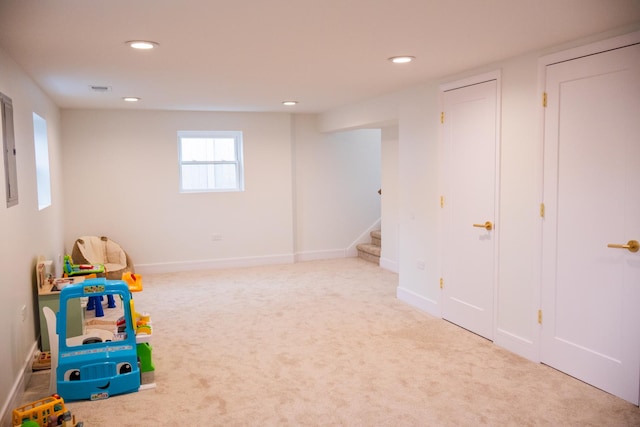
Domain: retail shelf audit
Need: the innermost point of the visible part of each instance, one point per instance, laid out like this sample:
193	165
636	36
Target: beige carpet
326	343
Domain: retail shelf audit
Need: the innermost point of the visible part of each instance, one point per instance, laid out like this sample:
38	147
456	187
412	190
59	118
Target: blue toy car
91	368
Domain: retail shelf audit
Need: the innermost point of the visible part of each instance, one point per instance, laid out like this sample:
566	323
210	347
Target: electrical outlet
216	237
23	312
420	264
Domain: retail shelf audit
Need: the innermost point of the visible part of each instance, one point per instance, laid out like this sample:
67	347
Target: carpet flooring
327	343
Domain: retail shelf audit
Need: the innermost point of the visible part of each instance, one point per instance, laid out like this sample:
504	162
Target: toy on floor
71	269
47	412
42	361
142	322
95	303
96	370
133	280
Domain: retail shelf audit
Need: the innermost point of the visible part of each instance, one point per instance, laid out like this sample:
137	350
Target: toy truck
92	368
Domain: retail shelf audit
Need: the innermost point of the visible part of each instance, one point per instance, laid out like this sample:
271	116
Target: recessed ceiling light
142	44
131	99
289	103
401	59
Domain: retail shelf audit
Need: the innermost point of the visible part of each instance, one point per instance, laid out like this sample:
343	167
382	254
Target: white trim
319	255
474	80
236	135
591	48
365	237
516	344
390	265
425	304
212	264
17	390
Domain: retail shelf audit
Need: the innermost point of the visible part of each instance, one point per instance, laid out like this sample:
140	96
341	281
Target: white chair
50	316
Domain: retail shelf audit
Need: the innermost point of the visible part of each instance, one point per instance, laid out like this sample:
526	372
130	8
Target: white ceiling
250	55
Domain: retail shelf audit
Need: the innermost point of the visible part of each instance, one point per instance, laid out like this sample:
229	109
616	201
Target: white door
590	291
469	138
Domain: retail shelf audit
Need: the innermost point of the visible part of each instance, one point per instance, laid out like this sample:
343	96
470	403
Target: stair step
376	238
369	249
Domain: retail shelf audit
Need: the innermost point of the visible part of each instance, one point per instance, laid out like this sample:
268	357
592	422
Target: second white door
591	269
470	148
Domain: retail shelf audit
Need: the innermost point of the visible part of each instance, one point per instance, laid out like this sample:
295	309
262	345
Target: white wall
417	114
121	180
25	232
389	200
307	195
336	187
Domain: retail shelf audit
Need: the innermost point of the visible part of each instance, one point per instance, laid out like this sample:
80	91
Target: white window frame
43	174
239	163
9	147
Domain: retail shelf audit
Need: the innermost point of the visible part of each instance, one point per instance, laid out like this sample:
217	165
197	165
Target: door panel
590	292
470	164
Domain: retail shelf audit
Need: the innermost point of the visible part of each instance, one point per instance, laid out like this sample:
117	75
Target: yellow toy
47	412
142	324
134	281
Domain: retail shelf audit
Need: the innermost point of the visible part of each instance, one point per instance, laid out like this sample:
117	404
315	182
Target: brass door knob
487	225
632	246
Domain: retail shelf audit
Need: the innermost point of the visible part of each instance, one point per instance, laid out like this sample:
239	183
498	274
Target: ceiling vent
100	89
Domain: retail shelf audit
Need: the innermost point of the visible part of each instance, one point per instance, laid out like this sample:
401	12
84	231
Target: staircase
371	251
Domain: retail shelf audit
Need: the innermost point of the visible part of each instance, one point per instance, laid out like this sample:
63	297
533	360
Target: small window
9	147
210	161
43	177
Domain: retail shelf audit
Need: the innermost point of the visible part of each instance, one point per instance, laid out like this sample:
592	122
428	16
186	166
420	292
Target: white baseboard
18	388
516	344
212	264
318	255
172	267
365	237
425	304
390	265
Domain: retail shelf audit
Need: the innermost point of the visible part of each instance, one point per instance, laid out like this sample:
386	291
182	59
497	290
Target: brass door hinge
442	201
544	99
441	283
542	210
540	317
442	117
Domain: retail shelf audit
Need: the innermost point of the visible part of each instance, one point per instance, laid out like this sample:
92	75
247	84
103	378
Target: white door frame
443	178
543	62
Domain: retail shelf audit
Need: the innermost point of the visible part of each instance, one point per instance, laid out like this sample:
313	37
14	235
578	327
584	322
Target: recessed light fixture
289	103
401	59
131	99
142	44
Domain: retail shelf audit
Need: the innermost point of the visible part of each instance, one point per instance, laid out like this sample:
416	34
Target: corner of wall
420	302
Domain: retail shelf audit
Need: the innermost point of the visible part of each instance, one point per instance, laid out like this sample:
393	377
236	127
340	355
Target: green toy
144	354
71	269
